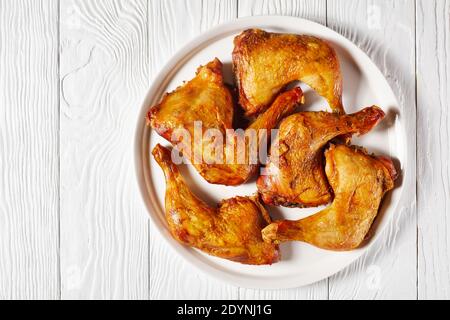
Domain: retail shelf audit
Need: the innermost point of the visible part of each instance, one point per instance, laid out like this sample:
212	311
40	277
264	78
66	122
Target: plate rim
140	154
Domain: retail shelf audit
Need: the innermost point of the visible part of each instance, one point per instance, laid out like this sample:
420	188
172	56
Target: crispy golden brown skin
360	182
295	176
206	98
231	231
264	63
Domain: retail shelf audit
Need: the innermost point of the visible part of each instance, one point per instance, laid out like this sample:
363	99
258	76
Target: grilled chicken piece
360	182
264	63
230	231
294	175
206	100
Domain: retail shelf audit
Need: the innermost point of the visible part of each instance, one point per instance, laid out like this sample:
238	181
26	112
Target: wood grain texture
29	149
170	276
433	136
104	72
385	31
315	11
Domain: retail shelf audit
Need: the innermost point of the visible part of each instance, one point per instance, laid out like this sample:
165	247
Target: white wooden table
72	76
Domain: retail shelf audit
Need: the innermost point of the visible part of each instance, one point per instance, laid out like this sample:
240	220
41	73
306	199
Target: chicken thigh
197	119
294	175
264	63
360	182
231	231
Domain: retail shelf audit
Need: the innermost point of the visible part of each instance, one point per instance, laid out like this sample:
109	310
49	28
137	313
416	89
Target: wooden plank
104	77
171	25
29	149
315	11
385	31
433	148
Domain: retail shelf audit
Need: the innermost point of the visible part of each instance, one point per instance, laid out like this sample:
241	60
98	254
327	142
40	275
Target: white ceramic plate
364	85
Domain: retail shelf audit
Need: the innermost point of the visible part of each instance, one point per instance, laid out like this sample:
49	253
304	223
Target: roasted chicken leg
206	101
264	63
360	182
294	174
231	231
